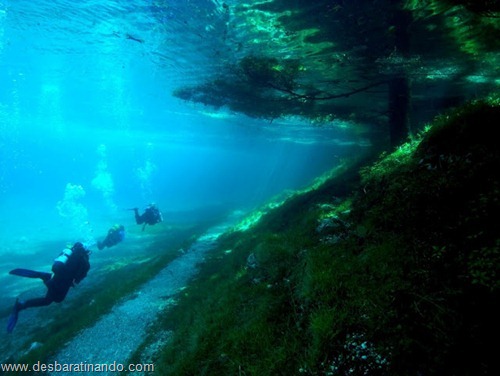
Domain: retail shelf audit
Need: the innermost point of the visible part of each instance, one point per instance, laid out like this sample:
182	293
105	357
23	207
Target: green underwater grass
390	271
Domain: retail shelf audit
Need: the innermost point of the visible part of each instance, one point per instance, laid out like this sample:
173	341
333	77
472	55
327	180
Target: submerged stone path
116	335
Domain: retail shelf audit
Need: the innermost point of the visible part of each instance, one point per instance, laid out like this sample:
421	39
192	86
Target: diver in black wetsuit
69	269
115	235
151	216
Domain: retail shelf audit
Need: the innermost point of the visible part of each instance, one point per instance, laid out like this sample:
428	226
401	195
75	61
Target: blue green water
89	128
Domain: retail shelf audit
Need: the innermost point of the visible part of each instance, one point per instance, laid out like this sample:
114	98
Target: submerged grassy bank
393	271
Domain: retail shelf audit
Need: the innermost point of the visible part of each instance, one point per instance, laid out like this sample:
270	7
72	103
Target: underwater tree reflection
391	64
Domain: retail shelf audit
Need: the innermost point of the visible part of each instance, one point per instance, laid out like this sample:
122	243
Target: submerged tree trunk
399	110
399	86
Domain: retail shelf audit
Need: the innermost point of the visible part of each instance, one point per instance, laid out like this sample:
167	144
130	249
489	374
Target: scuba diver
115	235
69	269
151	216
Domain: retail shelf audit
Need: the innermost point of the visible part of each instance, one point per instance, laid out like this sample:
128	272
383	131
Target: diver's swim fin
11	324
31	274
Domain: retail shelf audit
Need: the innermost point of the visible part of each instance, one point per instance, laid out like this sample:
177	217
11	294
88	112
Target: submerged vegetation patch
393	271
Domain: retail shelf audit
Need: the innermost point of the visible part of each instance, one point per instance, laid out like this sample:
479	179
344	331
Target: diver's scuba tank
64	256
61	260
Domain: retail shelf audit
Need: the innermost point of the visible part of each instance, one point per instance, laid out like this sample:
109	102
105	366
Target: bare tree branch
328	97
